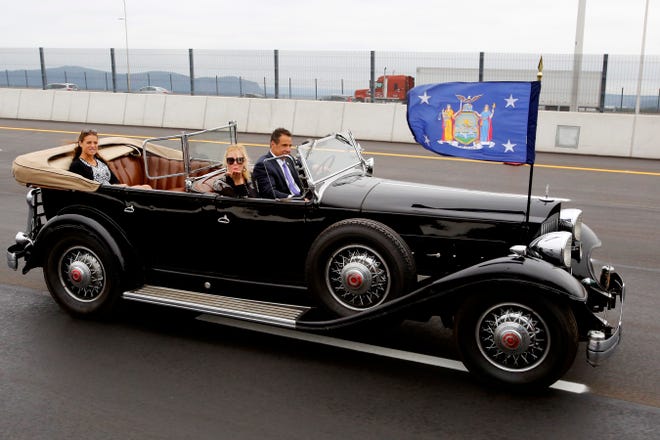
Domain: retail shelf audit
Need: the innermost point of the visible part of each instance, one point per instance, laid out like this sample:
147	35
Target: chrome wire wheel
82	271
516	338
357	264
358	277
512	337
81	274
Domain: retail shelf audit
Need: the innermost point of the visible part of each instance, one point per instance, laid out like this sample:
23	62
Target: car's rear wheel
517	341
358	264
81	274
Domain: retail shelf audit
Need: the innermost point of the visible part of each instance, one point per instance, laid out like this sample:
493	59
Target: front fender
441	296
57	225
516	269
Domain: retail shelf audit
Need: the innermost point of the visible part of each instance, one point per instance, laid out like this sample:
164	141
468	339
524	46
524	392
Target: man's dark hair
277	133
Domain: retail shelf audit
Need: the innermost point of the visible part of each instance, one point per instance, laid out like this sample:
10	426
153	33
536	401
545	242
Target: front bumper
13	256
18	250
25	240
602	343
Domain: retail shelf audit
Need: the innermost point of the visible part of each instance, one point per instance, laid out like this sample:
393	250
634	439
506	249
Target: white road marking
571	387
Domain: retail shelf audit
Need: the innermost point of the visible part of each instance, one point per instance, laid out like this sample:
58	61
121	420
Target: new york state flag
493	121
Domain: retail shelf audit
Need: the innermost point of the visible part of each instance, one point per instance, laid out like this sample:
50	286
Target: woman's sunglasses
238	160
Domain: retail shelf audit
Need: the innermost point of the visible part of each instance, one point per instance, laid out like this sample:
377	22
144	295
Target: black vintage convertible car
511	275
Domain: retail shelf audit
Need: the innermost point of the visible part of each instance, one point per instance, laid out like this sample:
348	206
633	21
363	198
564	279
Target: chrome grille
551	224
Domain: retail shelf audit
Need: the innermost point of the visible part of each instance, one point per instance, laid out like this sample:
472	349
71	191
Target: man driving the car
276	177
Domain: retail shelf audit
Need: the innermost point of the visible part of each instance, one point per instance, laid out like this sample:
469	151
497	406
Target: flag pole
539	76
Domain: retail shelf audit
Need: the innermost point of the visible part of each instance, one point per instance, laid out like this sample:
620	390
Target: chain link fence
595	82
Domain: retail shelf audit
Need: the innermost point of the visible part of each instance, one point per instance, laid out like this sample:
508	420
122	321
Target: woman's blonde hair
246	164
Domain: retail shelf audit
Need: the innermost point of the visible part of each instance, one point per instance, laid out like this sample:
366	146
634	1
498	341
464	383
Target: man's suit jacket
270	180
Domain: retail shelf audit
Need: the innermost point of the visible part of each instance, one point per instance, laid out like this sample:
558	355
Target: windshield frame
214	139
325	159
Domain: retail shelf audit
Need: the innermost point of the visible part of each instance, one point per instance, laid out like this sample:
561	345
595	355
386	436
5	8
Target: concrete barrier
9	100
35	104
605	134
316	118
145	110
221	111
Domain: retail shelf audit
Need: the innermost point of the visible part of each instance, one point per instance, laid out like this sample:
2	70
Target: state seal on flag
466	124
466	129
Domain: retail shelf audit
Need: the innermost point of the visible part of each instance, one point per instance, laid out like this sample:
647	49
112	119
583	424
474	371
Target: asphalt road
154	373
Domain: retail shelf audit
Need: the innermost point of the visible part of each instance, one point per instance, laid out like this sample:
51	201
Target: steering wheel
325	166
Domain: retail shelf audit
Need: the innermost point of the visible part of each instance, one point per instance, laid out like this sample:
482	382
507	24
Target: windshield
190	153
206	149
329	156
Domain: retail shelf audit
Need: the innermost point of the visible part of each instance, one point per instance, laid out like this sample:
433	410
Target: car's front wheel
517	341
358	264
81	274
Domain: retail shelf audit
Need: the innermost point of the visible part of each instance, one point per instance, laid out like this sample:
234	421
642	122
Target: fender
52	227
513	269
517	269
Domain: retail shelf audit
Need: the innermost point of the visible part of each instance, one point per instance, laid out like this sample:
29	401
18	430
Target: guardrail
603	134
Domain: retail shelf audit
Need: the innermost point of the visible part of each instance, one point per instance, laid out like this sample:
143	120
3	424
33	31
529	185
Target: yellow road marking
376	153
536	165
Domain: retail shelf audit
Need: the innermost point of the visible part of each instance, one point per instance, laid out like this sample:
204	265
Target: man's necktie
289	180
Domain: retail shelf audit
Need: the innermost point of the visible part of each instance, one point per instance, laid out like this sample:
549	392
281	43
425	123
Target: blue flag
493	121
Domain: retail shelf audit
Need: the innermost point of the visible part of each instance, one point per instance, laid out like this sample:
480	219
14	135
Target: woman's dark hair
83	134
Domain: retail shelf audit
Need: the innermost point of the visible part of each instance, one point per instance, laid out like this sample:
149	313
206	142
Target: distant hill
92	79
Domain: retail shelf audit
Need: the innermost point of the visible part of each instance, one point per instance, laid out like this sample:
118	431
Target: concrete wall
607	134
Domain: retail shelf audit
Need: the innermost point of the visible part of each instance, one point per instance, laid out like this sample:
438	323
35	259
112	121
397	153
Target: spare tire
357	264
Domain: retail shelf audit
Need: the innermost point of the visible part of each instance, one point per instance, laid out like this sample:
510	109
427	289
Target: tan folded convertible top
49	168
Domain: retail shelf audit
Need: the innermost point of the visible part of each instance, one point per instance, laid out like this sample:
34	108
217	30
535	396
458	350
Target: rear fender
64	224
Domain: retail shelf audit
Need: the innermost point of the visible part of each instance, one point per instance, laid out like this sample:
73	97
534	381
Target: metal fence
602	82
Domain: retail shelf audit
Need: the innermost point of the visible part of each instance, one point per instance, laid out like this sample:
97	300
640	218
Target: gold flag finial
539	74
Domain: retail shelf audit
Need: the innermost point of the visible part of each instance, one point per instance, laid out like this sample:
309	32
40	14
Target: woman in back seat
236	182
88	163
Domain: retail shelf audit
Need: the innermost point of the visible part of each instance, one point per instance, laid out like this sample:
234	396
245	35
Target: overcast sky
511	26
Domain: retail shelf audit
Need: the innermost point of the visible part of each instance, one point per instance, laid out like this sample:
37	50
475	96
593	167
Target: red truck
388	88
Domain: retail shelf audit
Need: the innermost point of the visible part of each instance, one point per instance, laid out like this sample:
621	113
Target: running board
282	315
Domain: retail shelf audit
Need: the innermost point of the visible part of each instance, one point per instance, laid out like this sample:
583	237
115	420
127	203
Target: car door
263	240
170	229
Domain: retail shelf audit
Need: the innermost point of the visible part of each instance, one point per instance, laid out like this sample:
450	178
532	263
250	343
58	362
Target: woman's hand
237	176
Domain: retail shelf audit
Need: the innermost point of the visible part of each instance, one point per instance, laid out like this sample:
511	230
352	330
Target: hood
375	195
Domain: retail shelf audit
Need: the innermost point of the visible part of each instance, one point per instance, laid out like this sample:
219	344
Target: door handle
223	219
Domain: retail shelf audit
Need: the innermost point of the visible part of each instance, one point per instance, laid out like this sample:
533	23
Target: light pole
577	54
641	58
639	79
128	64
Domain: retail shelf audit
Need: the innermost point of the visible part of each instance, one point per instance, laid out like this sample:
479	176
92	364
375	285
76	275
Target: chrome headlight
554	247
571	221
